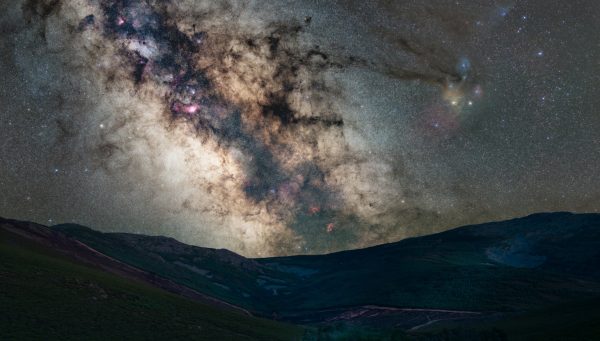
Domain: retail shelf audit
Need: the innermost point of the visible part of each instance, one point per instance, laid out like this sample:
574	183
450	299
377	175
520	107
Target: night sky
287	127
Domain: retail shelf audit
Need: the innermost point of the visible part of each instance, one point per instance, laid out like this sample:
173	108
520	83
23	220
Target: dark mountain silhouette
471	282
53	287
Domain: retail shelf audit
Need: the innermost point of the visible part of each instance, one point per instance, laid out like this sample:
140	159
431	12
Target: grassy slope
46	296
411	281
450	270
571	321
576	321
234	283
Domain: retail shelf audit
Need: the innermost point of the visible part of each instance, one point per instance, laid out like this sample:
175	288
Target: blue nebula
463	66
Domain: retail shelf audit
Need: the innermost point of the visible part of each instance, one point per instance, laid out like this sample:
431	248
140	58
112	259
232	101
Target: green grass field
533	278
571	321
46	296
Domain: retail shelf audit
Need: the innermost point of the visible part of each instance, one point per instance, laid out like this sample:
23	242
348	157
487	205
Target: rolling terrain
53	287
536	277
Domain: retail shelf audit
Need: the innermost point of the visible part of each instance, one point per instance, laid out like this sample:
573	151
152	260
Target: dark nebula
295	127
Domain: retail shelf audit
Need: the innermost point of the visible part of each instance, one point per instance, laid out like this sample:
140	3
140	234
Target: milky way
282	127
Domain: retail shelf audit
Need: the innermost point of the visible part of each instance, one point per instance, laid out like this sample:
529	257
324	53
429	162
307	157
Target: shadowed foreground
532	278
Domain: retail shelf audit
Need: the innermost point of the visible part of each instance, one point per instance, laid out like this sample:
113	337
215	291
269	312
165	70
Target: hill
509	266
51	287
536	277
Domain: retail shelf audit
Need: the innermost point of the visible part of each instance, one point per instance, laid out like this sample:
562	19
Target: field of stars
297	127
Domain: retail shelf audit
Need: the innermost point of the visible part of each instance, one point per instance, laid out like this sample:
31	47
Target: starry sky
297	127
